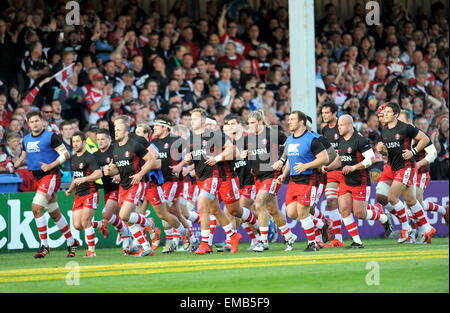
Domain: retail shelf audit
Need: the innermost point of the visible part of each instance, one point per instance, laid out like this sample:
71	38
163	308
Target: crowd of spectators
232	59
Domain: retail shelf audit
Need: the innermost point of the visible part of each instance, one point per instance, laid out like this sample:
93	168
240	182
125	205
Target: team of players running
176	169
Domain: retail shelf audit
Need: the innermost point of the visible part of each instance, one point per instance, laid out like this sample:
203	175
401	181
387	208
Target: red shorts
249	192
133	195
112	195
319	192
303	194
423	180
155	194
387	174
334	177
171	190
49	184
269	185
360	193
89	201
188	190
227	191
406	176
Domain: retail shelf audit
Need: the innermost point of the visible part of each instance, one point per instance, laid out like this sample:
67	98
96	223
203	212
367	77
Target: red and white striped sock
264	232
308	227
401	214
205	235
229	229
248	230
433	207
194	217
212	228
372	214
64	228
336	219
249	217
119	225
318	214
176	235
139	236
90	238
169	233
41	223
139	219
318	223
352	228
286	231
97	224
228	240
419	214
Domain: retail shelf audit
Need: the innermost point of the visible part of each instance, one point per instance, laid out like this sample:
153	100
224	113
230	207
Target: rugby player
261	148
43	152
355	157
209	152
397	141
128	157
305	153
85	171
111	209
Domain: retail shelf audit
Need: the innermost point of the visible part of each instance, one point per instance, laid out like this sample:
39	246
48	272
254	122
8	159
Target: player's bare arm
431	155
369	159
150	164
21	161
97	174
71	187
422	140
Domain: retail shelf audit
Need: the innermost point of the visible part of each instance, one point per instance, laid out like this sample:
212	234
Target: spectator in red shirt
230	56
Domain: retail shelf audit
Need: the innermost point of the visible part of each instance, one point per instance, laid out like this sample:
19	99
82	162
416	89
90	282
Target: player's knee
39	202
86	224
359	214
124	216
292	214
393	199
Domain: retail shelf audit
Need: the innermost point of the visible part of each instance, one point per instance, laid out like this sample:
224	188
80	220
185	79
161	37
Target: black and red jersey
420	156
129	160
396	140
83	166
169	152
209	144
104	158
351	153
242	167
264	150
331	135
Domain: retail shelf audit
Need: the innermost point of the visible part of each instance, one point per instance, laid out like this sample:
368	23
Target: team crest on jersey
397	137
166	146
264	141
81	165
127	154
336	136
204	143
349	150
108	160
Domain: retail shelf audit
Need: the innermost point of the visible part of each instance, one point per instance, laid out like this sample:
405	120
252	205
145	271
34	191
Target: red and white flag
65	76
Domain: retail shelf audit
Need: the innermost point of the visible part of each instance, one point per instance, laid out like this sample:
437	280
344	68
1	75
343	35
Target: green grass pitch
383	266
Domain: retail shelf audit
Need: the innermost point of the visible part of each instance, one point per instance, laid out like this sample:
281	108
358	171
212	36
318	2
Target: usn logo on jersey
293	149
33	146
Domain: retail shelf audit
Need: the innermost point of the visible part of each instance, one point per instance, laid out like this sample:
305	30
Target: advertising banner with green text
18	229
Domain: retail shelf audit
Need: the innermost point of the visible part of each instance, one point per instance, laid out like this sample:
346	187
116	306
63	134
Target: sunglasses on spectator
47	112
